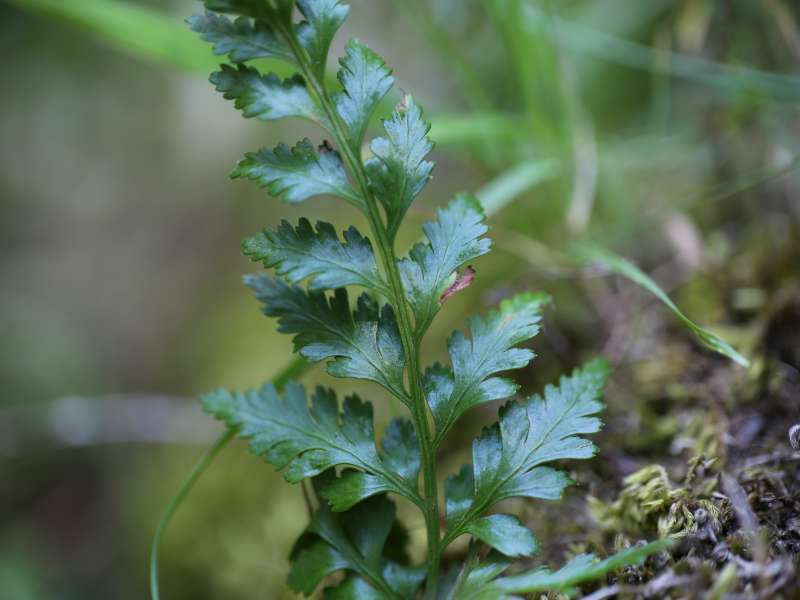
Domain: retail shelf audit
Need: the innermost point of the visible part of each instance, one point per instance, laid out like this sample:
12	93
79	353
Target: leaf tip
532	301
470	202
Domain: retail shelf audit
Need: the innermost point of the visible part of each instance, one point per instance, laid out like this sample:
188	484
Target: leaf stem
399	302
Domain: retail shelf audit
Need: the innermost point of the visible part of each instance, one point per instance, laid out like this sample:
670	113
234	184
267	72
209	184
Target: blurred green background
666	131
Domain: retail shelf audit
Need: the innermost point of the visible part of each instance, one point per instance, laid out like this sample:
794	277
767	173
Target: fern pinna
377	335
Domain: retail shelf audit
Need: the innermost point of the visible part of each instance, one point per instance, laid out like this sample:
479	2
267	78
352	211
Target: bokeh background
666	131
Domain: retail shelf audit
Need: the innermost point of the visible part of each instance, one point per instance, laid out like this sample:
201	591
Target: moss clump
650	503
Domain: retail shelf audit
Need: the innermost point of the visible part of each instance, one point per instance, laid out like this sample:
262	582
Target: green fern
377	337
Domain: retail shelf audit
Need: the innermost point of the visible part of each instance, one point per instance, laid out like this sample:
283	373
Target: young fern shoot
312	435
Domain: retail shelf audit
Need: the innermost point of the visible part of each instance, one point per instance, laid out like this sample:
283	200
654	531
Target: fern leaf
400	455
297	173
241	39
399	171
266	97
251	8
322	19
403	581
305	441
356	541
453	239
508	455
364	344
365	81
302	252
476	361
505	533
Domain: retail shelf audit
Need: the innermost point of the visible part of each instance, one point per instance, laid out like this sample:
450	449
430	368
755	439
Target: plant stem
399	302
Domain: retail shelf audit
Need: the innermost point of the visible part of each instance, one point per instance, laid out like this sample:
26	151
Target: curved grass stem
186	486
294	369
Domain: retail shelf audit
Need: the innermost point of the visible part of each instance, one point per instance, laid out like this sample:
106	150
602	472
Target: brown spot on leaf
463	281
402	106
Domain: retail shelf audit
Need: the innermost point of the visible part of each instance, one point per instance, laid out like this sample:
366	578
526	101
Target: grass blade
163	39
566	579
588	254
720	76
507	186
141	32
